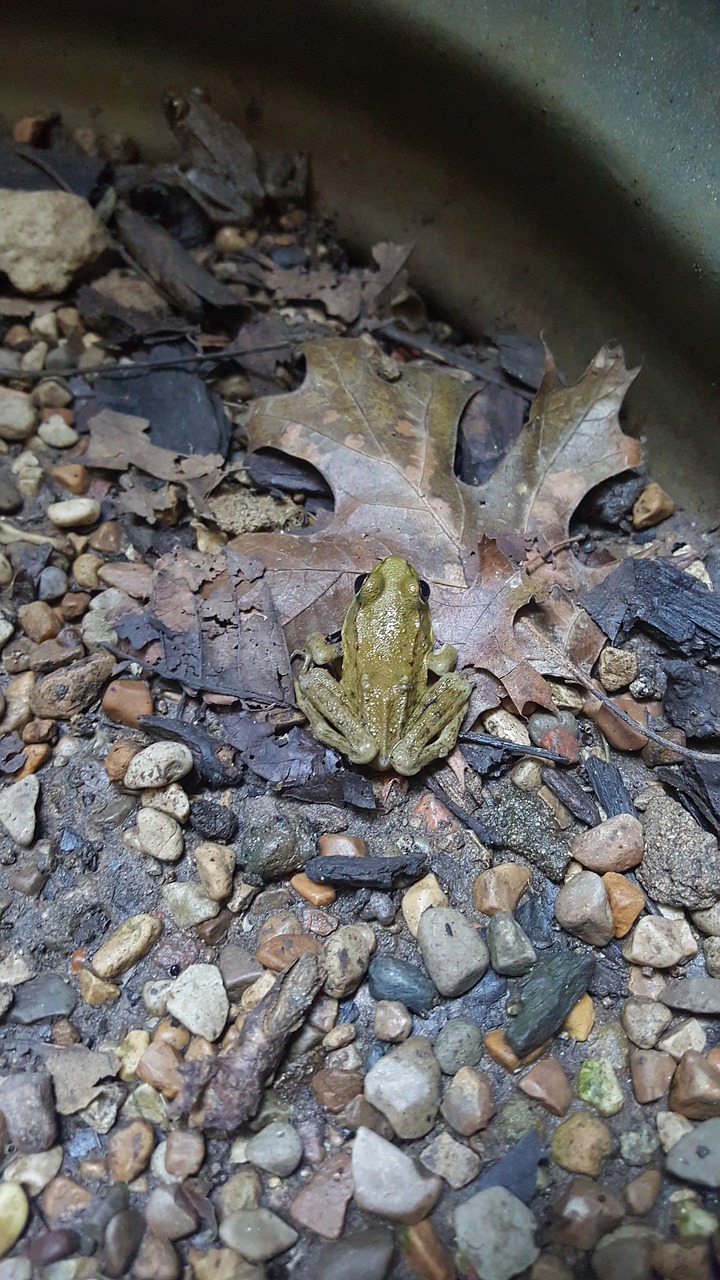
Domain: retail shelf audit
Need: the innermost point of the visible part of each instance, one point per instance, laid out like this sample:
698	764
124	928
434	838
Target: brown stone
652	507
547	1083
581	1019
656	754
94	991
617	668
124	701
322	1202
280	924
39	731
550	1267
645	985
213	932
319	895
184	1152
499	1050
695	1089
339	845
334	1088
64	1201
613	845
626	900
393	1021
581	1143
319	922
618	733
72	476
425	1254
169	1032
279	953
134	579
651	1072
468	1105
500	888
74	604
107	538
38	621
641	1194
52	1246
129	1150
62	694
35	755
678	1259
583	1214
156	1259
85	571
158	1066
118	758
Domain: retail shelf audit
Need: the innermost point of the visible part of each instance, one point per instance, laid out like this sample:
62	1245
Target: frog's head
394	576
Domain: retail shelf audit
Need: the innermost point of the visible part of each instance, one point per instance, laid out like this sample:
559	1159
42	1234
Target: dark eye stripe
359	581
424	590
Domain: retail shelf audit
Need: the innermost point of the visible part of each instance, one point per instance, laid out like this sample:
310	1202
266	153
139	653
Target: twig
517	748
488	835
34	157
137	370
191	683
445	355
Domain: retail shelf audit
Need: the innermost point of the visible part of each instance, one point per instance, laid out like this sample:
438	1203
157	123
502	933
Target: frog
386	710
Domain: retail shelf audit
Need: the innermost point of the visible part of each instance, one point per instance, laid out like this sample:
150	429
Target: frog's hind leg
320	697
435	726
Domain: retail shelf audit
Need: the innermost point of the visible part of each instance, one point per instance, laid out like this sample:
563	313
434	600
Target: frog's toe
363	751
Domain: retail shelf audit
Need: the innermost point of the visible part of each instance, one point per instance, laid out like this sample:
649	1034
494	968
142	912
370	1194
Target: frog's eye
424	590
362	577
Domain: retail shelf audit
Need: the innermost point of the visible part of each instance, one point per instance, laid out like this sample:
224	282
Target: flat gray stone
696	1157
694	995
46	996
17	809
495	1234
454	953
459	1044
389	1182
511	951
365	1255
257	1234
277	1149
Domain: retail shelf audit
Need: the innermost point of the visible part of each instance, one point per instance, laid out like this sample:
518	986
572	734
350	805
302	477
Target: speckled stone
581	1143
660	943
394	979
459	1044
511	951
598	1085
644	1021
454	953
450	1160
695	1157
404	1086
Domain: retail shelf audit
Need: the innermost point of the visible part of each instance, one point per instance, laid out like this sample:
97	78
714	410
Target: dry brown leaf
118	441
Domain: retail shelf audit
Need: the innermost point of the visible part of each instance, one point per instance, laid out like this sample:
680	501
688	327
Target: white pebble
160	835
74	512
158	765
57	433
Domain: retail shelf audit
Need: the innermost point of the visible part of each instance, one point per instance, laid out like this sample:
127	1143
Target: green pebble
690	1220
597	1085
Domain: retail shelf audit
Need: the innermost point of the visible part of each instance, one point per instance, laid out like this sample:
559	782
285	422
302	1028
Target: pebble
38	621
695	995
467	1103
459	1044
123	1235
159	835
46	996
156	1260
617	668
277	1149
334	1088
695	1091
364	1255
500	888
584	1212
17	415
644	1021
598	1085
681	865
624	1254
17	809
581	1143
188	904
199	1001
454	953
450	1160
389	1182
184	1152
321	1204
72	476
62	694
695	1156
660	943
346	956
239	969
639	1146
74	513
158	765
687	1034
613	845
626	902
392	1022
421	895
170	1213
671	1128
129	1149
94	991
52	583
318	895
14	1212
26	1102
52	1246
213	821
495	1234
711	951
404	1086
394	979
547	994
36	1170
172	800
511	951
125	701
126	945
641	1194
216	868
652	507
277	841
56	433
651	1072
547	1083
583	910
257	1234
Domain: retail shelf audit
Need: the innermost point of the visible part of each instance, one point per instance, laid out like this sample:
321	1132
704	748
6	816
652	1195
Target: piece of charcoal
692	699
491	421
570	793
273	470
609	502
546	996
658	596
522	355
610	790
365	873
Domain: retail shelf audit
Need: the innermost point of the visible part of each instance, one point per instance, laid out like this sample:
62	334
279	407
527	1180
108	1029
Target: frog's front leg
442	660
318	652
435	725
321	698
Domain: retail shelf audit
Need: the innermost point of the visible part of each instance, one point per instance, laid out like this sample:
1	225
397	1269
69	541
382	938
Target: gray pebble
459	1044
405	1087
52	583
495	1234
47	996
511	951
696	1157
393	979
277	1149
582	908
26	1101
363	1256
453	951
123	1235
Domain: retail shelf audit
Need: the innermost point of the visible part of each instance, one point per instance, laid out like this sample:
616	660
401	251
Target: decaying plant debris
265	1013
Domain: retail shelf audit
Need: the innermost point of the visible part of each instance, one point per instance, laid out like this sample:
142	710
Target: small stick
486	834
193	683
137	370
445	355
517	748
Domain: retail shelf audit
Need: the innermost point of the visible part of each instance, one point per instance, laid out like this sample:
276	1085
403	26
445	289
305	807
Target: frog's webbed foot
442	660
435	726
319	696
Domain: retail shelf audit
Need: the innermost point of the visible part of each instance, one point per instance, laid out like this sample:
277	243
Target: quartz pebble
17	415
257	1234
404	1086
582	909
158	765
216	868
160	835
511	951
126	945
467	1103
613	845
455	955
671	1128
660	943
74	513
688	1034
17	809
56	433
389	1182
199	1001
421	895
495	1234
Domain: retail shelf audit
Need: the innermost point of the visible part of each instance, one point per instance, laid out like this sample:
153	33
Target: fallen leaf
346	296
118	441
